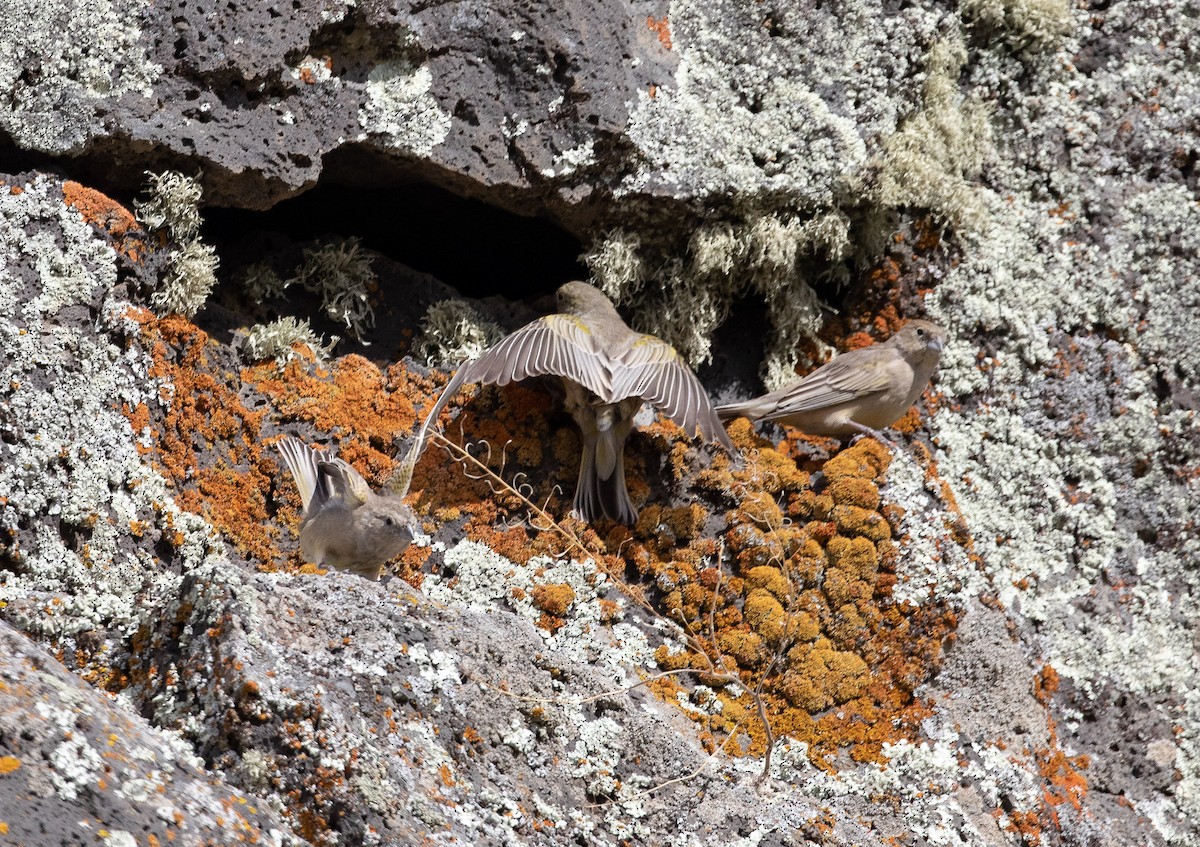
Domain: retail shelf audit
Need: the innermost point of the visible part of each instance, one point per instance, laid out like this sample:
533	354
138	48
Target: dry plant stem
581	701
464	457
695	772
766	723
540	519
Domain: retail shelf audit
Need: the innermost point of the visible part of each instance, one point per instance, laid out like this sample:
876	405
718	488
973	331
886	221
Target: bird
345	524
607	370
858	392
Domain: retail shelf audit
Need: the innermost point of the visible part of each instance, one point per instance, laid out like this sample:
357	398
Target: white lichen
173	205
340	274
453	331
277	340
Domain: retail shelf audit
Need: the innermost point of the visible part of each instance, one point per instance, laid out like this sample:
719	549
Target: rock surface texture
982	634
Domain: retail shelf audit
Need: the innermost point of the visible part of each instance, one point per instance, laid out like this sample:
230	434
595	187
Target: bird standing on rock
608	370
346	525
858	392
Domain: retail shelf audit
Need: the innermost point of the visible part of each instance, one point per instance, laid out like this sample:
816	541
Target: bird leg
864	430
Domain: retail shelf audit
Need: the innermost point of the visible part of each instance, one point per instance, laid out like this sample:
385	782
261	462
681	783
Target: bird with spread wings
608	370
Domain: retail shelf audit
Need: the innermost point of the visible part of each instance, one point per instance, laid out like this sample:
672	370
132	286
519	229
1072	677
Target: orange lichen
1025	824
855	491
1045	684
812	572
553	599
108	215
8	764
201	413
1062	772
765	615
770	579
661	28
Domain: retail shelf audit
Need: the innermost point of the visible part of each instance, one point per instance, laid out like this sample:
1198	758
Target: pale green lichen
173	202
758	254
1029	25
83	53
933	160
340	274
400	111
261	283
453	331
277	340
616	263
705	139
173	205
188	281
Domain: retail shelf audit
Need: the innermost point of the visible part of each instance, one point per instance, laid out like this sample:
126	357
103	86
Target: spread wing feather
556	345
302	462
652	369
349	486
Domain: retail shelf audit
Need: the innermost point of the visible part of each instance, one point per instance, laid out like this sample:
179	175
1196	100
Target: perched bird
861	391
346	525
608	370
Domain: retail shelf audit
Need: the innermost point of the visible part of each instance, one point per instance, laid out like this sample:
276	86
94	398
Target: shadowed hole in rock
420	239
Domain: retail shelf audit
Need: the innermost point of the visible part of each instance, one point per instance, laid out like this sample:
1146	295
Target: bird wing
652	369
302	462
344	481
557	345
848	377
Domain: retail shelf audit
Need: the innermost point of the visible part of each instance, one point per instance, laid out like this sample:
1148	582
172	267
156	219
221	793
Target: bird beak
936	344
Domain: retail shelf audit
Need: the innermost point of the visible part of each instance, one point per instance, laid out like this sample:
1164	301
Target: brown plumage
346	525
607	369
861	391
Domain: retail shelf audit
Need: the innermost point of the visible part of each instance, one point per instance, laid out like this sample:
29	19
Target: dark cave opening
427	244
475	248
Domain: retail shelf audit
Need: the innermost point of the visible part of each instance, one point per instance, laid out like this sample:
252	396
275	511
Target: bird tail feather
597	495
302	462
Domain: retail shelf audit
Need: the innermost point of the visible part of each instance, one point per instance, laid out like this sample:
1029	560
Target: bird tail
598	495
302	462
752	409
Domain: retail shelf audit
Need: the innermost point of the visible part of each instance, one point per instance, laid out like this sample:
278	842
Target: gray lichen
340	274
452	331
173	205
277	339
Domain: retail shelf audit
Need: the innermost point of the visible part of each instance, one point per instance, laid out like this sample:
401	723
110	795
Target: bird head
580	298
390	525
919	340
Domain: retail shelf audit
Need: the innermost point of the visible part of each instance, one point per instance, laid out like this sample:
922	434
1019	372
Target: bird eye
389	520
920	331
